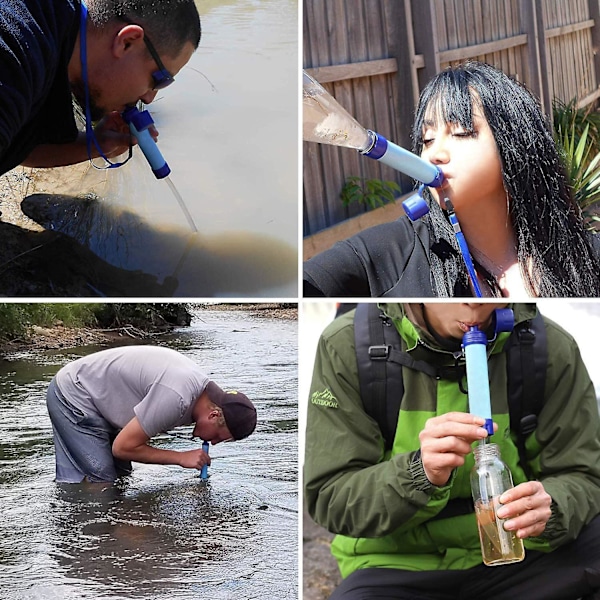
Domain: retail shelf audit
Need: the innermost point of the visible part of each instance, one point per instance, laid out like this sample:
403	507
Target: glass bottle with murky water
490	478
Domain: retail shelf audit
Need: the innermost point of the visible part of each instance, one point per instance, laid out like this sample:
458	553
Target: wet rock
320	572
49	264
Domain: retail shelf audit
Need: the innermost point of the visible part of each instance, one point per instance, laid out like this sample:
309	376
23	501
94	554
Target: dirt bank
58	336
48	264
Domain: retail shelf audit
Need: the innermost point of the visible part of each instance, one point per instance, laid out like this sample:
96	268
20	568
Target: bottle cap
474	336
378	149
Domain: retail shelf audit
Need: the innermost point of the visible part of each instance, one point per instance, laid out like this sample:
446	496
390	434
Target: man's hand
132	444
445	442
527	506
112	134
193	459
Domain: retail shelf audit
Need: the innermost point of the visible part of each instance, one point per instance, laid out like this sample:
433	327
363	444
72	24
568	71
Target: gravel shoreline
271	310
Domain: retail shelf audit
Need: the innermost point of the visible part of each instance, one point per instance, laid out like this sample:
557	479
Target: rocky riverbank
270	310
60	336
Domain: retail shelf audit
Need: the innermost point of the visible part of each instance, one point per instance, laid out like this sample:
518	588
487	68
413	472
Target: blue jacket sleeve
36	42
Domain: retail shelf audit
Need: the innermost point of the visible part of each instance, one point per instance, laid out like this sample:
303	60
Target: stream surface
160	533
229	131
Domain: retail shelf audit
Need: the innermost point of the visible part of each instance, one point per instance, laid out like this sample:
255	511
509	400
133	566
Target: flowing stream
161	533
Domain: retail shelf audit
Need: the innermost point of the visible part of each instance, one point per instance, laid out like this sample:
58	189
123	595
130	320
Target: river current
161	533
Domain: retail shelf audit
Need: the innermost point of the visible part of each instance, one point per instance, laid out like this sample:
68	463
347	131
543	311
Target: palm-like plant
578	141
567	116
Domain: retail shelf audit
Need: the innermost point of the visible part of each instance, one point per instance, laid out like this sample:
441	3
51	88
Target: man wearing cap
105	407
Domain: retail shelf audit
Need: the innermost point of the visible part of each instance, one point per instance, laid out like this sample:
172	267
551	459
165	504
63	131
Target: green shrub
371	192
17	319
13	321
577	134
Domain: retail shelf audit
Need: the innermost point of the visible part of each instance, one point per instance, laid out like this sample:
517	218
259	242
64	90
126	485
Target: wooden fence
375	56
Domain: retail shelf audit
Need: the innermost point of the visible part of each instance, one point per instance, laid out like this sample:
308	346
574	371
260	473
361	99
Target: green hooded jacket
381	505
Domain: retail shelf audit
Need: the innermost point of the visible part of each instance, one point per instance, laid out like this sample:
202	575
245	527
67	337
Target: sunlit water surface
162	533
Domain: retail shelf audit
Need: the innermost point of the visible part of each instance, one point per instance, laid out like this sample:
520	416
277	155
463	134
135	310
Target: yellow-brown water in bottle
490	478
498	546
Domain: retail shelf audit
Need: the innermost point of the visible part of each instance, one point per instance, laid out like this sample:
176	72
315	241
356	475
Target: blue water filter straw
475	344
139	123
204	470
412	165
475	347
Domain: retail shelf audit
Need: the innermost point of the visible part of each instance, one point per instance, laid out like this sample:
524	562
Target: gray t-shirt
158	385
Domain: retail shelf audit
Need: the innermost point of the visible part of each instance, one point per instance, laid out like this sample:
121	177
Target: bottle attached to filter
490	477
326	122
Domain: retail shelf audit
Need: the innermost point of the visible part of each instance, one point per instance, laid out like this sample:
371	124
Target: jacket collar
410	322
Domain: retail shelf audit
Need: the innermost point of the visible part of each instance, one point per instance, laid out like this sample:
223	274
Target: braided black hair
554	249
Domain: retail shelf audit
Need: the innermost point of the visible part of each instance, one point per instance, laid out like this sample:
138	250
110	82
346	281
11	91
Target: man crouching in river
105	408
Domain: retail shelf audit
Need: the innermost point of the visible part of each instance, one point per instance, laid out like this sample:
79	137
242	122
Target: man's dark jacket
37	38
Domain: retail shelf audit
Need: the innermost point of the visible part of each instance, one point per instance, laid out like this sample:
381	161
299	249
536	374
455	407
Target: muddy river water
228	130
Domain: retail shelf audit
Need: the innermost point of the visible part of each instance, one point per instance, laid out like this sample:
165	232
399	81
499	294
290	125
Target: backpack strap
375	336
380	359
527	359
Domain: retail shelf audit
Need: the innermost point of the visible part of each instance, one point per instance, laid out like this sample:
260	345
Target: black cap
238	411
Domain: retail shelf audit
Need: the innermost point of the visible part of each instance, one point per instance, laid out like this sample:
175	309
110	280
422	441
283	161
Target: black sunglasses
161	78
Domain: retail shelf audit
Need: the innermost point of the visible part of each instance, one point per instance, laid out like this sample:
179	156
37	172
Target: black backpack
380	360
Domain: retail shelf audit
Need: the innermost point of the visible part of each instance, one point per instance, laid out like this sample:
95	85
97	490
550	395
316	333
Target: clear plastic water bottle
490	478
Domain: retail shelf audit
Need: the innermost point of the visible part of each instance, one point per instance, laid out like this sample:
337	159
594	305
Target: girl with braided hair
505	179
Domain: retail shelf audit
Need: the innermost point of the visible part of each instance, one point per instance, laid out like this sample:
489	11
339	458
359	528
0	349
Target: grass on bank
17	320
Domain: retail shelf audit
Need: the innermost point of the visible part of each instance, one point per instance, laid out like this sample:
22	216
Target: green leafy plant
582	164
567	117
17	319
371	192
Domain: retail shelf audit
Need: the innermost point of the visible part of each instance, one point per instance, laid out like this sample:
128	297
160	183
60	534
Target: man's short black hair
170	24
